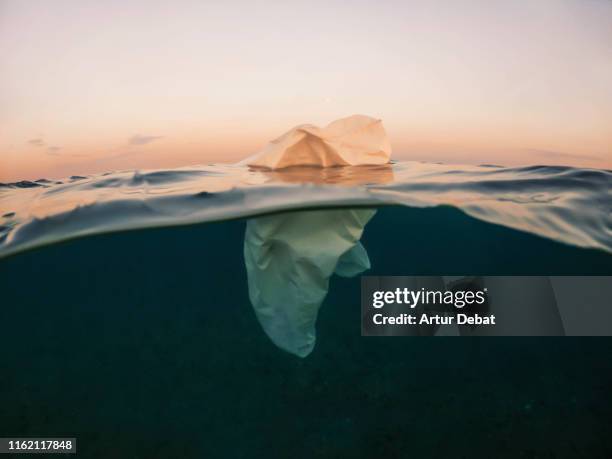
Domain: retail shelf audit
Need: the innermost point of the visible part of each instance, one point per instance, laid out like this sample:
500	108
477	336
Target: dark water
144	344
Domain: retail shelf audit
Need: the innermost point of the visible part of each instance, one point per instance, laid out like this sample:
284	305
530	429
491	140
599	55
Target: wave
570	205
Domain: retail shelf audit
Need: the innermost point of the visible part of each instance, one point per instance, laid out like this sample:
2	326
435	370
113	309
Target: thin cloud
54	151
138	139
559	154
37	142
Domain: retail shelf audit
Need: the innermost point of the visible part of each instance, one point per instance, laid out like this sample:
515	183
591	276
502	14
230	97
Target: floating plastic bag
352	141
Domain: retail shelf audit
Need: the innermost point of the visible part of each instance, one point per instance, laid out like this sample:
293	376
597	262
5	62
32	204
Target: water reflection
346	176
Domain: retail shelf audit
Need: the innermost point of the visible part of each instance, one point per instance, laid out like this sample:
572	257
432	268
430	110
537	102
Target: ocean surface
561	203
144	343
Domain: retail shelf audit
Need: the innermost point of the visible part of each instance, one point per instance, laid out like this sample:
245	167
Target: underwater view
144	343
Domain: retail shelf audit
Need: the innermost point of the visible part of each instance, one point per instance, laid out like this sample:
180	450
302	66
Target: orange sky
89	86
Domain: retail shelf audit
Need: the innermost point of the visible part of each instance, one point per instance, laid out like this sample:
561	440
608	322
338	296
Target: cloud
37	142
138	139
53	151
559	154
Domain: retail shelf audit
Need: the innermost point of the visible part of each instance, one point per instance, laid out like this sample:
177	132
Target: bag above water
353	141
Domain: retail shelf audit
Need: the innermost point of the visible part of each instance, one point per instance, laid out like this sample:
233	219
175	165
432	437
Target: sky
92	86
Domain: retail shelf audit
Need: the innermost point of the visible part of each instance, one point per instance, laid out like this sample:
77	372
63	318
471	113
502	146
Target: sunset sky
91	86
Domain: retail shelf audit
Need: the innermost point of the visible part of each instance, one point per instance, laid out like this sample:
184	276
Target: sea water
143	343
